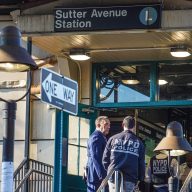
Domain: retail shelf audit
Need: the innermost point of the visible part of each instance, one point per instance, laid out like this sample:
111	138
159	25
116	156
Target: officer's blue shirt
95	148
125	151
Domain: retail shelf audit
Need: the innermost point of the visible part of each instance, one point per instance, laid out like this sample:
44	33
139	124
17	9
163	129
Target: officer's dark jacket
95	149
126	152
159	170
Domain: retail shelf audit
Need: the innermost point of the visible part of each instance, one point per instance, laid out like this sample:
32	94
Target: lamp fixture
130	81
174	142
180	51
79	55
13	57
162	82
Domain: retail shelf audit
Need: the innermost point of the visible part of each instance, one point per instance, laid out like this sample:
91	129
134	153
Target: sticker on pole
59	91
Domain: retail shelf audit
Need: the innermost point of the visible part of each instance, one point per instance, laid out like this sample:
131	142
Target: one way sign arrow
59	91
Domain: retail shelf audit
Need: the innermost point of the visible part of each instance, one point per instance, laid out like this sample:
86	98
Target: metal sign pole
9	116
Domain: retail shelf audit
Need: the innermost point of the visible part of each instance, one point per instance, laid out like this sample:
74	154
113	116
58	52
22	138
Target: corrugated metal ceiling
117	47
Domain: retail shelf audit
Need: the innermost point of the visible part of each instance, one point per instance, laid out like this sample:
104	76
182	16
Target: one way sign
59	91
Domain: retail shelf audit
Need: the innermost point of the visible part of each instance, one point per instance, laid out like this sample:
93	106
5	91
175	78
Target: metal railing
33	176
118	184
187	185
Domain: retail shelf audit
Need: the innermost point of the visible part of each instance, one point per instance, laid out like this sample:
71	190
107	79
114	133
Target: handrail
28	175
25	160
104	182
187	181
20	166
21	177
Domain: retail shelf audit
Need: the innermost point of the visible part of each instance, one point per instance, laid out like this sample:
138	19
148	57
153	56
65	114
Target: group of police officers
126	153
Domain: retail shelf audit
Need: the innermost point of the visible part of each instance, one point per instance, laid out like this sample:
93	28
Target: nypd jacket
158	171
95	149
126	152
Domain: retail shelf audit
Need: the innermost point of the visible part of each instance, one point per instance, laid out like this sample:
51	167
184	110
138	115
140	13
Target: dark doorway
151	123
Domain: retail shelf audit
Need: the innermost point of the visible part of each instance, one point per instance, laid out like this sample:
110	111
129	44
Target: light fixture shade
79	55
180	51
130	81
174	142
13	57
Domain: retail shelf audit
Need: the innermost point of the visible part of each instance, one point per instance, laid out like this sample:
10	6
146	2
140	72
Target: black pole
9	116
27	119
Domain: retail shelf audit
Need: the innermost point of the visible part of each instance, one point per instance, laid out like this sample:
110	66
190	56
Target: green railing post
154	86
60	171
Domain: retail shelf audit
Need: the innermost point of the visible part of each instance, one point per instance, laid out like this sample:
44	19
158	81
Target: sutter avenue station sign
107	18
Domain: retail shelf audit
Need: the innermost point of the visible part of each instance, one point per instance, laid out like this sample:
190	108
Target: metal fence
33	176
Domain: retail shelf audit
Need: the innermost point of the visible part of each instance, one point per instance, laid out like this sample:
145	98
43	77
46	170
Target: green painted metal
59	170
78	143
64	182
153	104
76	184
154	93
65	131
154	88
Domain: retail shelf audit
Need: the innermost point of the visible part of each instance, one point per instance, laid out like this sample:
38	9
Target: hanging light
174	142
79	55
162	82
13	57
180	51
130	81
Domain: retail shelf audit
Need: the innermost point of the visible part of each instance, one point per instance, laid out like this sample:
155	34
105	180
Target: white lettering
73	24
94	13
110	13
58	14
58	24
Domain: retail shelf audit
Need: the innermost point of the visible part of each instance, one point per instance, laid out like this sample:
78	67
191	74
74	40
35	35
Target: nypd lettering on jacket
160	166
126	146
126	152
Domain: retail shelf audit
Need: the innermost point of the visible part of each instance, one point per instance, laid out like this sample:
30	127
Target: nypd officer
95	148
157	173
125	151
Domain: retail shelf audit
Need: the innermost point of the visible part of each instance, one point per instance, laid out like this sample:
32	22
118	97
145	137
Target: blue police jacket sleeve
96	152
142	163
106	155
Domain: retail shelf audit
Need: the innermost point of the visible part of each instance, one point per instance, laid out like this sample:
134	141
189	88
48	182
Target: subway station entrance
131	70
154	93
150	127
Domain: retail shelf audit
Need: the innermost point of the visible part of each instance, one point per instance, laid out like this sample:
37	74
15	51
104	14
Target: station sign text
107	18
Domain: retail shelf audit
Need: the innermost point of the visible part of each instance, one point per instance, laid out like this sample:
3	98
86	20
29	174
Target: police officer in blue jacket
125	151
96	145
157	173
